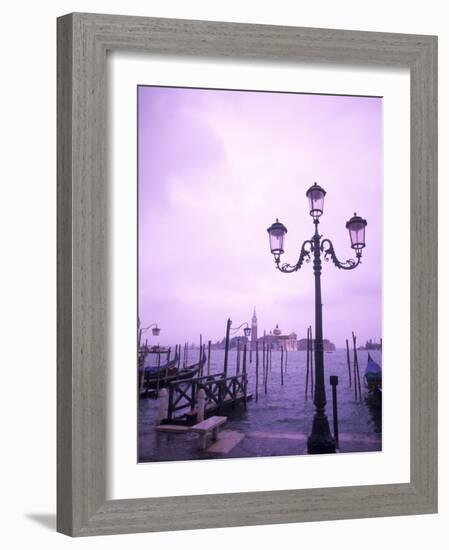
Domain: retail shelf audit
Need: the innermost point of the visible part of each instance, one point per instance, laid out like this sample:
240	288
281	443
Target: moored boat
373	382
152	378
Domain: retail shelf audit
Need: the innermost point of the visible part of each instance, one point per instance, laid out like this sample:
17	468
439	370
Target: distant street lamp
229	329
320	440
155	330
246	330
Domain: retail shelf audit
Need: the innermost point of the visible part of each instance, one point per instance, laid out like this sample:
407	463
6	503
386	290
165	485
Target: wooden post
139	338
348	360
355	373
358	379
209	343
225	366
237	364
201	405
201	351
170	402
158	371
202	359
257	371
166	369
263	361
187	354
356	370
282	365
244	375
271	347
179	356
286	359
163	405
142	380
262	372
312	351
168	355
267	357
306	392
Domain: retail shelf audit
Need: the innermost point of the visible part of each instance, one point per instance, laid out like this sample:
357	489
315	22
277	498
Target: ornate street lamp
320	440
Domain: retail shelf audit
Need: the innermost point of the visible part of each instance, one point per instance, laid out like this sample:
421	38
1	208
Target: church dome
277	331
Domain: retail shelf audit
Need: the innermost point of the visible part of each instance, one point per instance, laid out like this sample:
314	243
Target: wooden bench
212	424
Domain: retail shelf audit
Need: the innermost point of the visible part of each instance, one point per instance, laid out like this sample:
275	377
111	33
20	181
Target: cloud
215	169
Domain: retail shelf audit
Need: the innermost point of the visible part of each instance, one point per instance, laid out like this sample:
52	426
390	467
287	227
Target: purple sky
215	170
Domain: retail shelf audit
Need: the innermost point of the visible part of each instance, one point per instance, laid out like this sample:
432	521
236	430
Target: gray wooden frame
83	40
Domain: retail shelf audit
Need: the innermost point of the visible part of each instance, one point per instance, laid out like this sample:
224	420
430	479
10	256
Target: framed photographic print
236	206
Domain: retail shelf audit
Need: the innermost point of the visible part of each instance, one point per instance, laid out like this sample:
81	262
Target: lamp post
320	440
142	351
155	331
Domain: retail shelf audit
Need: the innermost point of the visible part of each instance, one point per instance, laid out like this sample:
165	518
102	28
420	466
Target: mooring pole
257	371
348	360
307	363
209	343
225	366
237	362
244	376
334	383
203	357
312	348
282	366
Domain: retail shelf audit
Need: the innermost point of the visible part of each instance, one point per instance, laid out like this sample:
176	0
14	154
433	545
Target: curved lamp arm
328	249
306	250
149	326
235	329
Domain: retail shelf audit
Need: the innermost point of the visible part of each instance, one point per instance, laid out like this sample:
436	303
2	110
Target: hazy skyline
216	168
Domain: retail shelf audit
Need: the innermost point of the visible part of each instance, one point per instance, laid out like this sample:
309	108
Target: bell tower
254	330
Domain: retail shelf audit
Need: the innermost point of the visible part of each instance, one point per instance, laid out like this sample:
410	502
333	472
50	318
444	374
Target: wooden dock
220	393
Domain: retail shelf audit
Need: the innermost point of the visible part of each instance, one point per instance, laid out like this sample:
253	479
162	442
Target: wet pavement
278	424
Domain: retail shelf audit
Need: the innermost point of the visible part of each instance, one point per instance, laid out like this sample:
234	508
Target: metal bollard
334	383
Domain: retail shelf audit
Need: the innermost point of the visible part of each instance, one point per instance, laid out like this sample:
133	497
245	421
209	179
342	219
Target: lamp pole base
320	441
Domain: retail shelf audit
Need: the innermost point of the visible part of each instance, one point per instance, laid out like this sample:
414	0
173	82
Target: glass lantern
356	227
276	234
316	195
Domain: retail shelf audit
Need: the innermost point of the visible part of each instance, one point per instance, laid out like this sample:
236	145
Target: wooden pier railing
220	391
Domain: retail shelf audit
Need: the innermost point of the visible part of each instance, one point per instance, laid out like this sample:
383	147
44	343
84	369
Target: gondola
373	382
152	378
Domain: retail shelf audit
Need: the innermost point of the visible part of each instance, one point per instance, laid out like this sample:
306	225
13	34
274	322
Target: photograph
260	262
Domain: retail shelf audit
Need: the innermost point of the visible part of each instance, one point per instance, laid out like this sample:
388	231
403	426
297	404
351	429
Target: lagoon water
280	421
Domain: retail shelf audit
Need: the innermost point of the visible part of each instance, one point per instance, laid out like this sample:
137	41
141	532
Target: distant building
254	330
279	341
373	345
327	345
